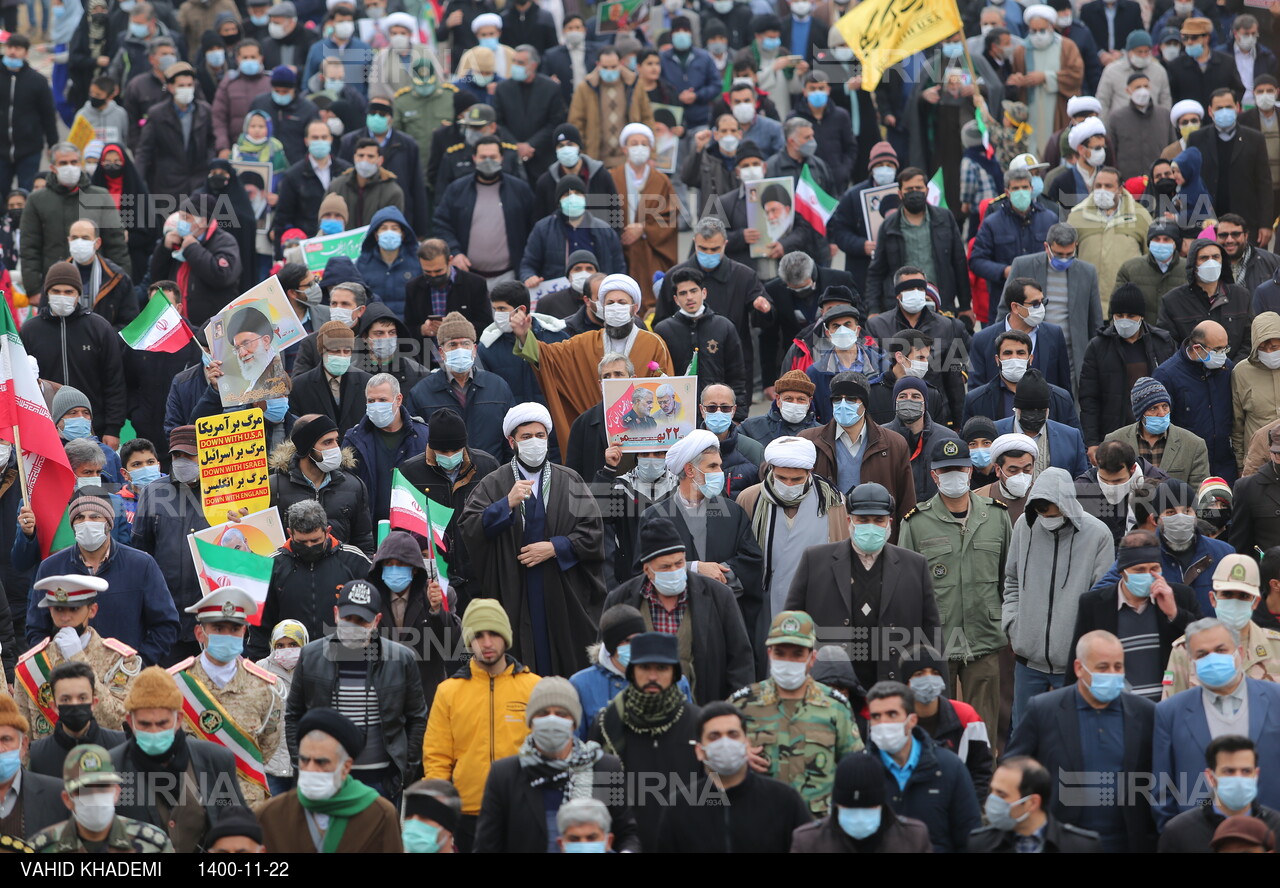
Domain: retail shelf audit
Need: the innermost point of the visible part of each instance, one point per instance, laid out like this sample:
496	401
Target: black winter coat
1182	308
1191	832
26	106
213	275
949	262
1105	405
311	394
84	351
344	498
300	194
939	793
168	163
1059	838
897	835
758	816
719	352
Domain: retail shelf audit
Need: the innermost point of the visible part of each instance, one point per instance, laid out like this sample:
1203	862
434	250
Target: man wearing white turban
715	529
1013	456
487	29
567	371
1047	72
791	509
649	208
537	540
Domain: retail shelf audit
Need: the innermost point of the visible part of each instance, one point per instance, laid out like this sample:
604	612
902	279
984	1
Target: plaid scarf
572	774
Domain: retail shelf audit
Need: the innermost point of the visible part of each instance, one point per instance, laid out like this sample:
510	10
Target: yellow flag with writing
81	134
882	33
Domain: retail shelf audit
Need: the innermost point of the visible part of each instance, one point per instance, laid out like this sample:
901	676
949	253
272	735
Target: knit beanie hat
619	623
1147	393
978	427
333	203
910	382
91	505
64	273
794	381
569	183
335	333
455	326
881	152
859	781
10	717
485	615
553	691
1210	489
446	430
66	400
1032	393
1128	299
154	688
306	434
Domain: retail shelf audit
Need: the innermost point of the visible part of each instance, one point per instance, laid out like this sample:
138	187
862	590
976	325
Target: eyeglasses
1231	235
719	408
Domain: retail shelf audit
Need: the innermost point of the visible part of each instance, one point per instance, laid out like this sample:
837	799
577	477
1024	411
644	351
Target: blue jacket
939	793
988	401
596	686
1202	405
1005	235
137	609
454	208
1205	555
823	370
1050	355
699	74
166	513
388	281
497	355
356	57
1066	445
548	248
1182	733
25	553
185	392
374	463
488	400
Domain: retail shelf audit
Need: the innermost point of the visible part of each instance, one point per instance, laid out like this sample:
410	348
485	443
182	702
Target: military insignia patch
1237	572
1260	652
42	724
210	721
46	696
939	570
90	761
228	609
950	448
791	626
713	346
60	596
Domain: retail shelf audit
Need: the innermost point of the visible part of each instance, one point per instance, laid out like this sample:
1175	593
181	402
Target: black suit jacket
41	799
1049	732
1251	186
1098	611
820	588
469	295
1128	18
311	395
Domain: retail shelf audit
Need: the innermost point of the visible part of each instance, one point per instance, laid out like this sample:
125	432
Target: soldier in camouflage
798	729
1235	596
91	789
72	603
249	716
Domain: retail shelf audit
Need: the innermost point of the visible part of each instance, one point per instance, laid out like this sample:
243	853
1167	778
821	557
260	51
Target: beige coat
1107	242
467	64
599	140
1255	390
1259	452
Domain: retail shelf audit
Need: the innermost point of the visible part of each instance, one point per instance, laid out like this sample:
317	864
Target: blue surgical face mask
1105	686
1195	50
1061	264
953	50
1156	425
568	155
650	468
136	29
1037	186
573	205
682	41
709	260
846	413
277	409
9	763
870	538
319	149
144	475
459	360
818	99
858	823
1161	252
260	21
224	648
718	422
397	576
623	654
584	848
712	484
216	57
1237	793
389	240
1224	118
381	413
1216	670
669	583
252	67
376	123
449	461
980	457
1235	612
1021	200
1000	812
770	44
1139	585
331	226
609	75
281	99
183	228
518	73
420	838
77	427
489	43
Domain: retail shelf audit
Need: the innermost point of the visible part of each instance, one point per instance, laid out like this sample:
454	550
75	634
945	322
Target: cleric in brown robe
536	540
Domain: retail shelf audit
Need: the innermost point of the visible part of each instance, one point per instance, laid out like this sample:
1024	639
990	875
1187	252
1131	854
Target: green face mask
156	743
336	364
449	461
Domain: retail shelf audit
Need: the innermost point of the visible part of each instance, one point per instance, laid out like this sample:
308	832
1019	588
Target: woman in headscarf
221	181
66	18
119	176
1193	203
257	143
1161	186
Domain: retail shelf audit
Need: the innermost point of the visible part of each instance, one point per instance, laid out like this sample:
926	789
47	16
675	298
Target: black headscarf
245	229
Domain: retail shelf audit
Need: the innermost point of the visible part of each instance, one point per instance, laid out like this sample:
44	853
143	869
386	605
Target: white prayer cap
632	129
1012	441
1040	11
1085	130
529	411
620	282
687	449
403	20
486	20
1080	104
791	452
1183	108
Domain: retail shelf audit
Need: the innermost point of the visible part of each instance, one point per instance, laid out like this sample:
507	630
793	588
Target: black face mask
98	18
309	552
438	280
15	218
219	183
113	169
1033	420
75	716
914	201
96	102
1165	187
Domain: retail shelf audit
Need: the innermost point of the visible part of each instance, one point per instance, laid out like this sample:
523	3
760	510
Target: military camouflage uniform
254	699
1259	654
114	665
127	836
803	739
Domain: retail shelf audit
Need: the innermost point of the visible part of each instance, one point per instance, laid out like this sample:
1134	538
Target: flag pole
433	571
22	466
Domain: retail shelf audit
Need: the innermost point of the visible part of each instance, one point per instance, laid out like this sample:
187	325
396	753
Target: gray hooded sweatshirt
1048	570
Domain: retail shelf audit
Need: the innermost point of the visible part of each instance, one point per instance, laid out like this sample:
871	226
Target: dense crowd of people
971	537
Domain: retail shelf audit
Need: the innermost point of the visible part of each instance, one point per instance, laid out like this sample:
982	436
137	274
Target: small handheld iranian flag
225	566
692	369
413	511
937	195
814	204
158	329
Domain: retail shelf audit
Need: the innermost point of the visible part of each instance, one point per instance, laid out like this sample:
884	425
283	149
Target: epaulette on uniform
119	647
35	650
741	693
254	669
179	667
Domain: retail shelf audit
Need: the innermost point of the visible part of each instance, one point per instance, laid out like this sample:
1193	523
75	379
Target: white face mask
532	451
793	413
953	484
1127	327
1247	42
744	112
751	173
1170	52
616	314
917	369
1097	157
1141	97
914	301
62	306
1266	101
884	174
1115	493
341	315
638	155
184	95
889	736
344	30
69	175
94	810
286	658
329	459
1035	316
1103	199
788	674
578	280
81	250
1139	62
90	535
1270	360
1018	485
1210	271
502	319
1041	39
1013	369
318	785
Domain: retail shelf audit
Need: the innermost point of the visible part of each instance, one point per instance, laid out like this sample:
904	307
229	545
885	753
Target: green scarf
350	799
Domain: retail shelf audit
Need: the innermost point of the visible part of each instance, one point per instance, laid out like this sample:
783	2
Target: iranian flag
412	510
814	204
25	421
225	566
937	195
158	329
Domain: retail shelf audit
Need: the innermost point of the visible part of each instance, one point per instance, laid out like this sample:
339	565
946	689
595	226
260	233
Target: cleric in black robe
554	595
